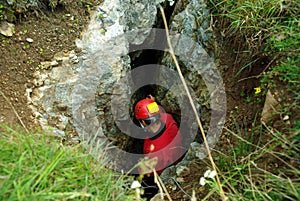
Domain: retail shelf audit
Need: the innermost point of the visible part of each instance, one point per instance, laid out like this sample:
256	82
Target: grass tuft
262	171
37	167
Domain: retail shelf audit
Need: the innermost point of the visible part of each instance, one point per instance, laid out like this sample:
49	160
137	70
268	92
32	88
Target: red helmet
146	108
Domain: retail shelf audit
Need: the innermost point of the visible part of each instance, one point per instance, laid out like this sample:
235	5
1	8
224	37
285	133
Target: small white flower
171	2
135	184
206	173
202	181
212	174
286	117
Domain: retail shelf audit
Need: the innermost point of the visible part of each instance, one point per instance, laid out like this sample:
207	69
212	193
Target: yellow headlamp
153	107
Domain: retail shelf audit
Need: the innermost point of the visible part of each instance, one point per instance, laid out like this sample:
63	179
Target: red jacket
166	145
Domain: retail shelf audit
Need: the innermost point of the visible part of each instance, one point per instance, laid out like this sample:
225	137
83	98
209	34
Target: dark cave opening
145	57
141	58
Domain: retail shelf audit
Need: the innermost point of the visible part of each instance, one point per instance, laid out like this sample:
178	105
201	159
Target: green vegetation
271	24
1	12
256	169
269	28
263	162
27	46
264	167
37	167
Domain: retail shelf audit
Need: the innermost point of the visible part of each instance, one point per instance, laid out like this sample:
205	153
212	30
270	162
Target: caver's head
147	113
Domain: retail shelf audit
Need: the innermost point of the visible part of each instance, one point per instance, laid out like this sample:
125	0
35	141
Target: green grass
265	169
270	28
37	167
262	162
255	18
271	24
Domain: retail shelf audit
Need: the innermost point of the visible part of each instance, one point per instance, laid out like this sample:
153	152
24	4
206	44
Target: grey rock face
80	86
192	20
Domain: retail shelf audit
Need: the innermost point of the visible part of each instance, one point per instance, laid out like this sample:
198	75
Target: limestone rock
270	107
7	29
29	40
192	47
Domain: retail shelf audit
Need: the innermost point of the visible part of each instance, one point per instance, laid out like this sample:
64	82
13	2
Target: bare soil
52	32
